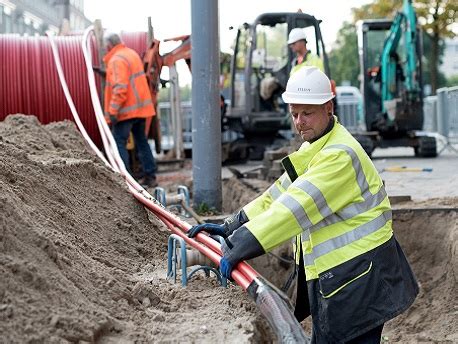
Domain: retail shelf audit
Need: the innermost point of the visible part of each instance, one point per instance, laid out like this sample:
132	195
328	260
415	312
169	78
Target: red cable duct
29	82
243	273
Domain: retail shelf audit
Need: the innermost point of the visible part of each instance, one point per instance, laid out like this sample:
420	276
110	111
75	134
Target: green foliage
164	94
378	9
205	210
452	81
437	16
344	57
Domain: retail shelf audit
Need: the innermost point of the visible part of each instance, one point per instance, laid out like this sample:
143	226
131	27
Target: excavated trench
81	260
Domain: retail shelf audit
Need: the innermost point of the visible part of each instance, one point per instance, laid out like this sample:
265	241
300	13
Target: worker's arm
263	202
255	207
119	83
295	210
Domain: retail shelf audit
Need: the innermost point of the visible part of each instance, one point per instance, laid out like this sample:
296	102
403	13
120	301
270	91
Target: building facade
36	17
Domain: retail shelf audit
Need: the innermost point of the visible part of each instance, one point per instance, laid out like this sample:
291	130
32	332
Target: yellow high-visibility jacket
310	59
333	201
331	197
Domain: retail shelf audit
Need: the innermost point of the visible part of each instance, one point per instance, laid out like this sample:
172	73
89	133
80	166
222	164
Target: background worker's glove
210	228
102	72
113	119
225	267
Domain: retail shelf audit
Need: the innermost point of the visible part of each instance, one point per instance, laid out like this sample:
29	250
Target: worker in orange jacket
128	103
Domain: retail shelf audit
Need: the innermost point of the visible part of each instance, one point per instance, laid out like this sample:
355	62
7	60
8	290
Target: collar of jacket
296	163
112	52
304	58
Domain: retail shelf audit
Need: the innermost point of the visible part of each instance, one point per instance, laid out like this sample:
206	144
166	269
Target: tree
343	58
435	16
437	19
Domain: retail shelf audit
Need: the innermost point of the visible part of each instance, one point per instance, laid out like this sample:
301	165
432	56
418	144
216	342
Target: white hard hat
308	85
296	35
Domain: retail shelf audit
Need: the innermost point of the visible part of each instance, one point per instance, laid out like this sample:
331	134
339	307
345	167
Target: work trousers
121	131
302	311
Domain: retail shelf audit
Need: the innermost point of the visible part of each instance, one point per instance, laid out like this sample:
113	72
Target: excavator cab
391	83
261	64
390	106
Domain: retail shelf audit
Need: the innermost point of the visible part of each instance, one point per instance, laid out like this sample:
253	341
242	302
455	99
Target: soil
429	239
82	261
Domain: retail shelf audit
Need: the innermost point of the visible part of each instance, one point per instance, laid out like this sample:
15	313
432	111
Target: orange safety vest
126	91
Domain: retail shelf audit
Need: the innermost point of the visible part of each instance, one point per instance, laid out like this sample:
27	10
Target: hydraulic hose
267	298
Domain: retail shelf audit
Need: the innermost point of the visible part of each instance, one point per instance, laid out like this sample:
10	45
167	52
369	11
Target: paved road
441	182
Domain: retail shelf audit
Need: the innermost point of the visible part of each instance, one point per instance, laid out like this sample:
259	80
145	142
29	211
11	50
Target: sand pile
429	238
81	262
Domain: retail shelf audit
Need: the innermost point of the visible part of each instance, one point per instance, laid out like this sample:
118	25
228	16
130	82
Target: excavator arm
404	26
153	62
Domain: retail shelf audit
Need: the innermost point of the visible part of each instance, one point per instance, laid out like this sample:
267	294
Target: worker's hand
225	268
113	120
100	71
210	228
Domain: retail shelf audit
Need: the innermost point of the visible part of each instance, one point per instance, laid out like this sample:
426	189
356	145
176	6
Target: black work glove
113	120
225	268
100	71
210	228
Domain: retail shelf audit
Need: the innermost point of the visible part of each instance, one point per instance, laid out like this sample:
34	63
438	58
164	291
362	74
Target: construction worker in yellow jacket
352	273
297	42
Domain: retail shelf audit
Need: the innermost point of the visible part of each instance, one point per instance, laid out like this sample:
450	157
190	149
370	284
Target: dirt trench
77	269
81	260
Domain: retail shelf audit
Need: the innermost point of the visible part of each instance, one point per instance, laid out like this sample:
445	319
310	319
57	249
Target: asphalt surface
441	181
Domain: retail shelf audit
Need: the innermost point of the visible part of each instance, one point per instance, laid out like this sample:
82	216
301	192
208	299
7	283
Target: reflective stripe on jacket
126	91
311	60
331	197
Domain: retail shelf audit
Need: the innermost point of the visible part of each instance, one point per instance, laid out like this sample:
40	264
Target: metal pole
175	112
150	32
206	123
98	31
442	112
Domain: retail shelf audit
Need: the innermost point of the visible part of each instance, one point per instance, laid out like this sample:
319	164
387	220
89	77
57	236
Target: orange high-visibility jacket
126	92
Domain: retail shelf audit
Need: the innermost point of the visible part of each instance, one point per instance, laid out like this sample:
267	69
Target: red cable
211	246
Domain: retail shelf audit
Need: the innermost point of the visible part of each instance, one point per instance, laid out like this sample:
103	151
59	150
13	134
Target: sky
171	18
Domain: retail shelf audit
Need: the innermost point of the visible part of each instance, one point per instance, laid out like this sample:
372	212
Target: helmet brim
301	99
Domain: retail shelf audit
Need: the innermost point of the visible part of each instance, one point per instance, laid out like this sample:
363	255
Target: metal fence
186	116
441	113
349	112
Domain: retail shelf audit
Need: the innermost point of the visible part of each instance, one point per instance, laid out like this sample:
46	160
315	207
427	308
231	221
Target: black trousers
302	311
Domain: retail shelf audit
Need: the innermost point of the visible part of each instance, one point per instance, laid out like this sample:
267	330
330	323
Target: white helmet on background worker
295	35
308	85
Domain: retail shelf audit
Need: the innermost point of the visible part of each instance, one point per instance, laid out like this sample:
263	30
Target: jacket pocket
333	281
